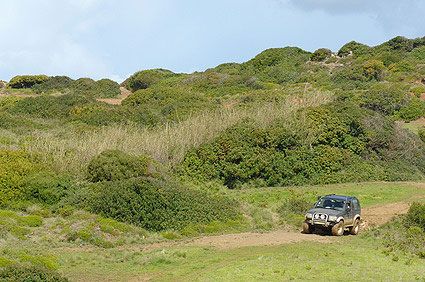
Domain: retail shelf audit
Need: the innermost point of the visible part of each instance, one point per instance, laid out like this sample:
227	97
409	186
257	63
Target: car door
350	212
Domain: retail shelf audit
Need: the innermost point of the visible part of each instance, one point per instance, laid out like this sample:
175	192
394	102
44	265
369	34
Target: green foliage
373	69
30	221
357	49
107	88
26	81
384	98
147	78
157	205
15	272
111	165
421	133
415	216
55	83
320	55
83	86
45	187
170	103
338	143
14	166
49	106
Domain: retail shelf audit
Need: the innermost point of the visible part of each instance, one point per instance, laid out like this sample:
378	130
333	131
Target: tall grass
70	152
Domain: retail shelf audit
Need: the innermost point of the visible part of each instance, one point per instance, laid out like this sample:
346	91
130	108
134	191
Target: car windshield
329	203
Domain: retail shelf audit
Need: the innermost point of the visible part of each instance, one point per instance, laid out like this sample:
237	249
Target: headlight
308	215
332	218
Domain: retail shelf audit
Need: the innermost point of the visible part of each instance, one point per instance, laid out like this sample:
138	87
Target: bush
83	86
56	83
333	141
147	78
14	166
157	205
45	187
415	216
15	272
50	107
113	165
357	49
26	81
373	69
107	88
320	55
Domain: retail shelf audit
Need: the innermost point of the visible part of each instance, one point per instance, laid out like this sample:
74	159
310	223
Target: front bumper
320	223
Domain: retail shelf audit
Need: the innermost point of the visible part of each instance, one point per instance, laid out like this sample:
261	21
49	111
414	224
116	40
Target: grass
369	194
130	258
414	127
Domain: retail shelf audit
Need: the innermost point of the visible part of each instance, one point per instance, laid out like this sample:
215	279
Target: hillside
236	148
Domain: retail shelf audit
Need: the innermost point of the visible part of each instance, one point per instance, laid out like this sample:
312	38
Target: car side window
356	204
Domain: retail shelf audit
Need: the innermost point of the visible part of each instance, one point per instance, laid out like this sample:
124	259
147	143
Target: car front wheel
338	229
308	228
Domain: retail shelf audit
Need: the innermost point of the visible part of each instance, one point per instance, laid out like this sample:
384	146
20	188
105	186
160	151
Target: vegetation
224	150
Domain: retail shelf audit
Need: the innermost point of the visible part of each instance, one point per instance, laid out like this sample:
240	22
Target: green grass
369	194
412	127
360	257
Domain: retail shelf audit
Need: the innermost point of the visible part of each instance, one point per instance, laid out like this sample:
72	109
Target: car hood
326	211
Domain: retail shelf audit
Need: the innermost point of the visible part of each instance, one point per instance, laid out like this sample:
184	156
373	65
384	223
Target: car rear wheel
356	228
338	229
308	228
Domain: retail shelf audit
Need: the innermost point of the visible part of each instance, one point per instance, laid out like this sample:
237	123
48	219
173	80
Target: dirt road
373	216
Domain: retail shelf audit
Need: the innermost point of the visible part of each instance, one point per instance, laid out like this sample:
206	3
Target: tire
308	228
356	227
338	229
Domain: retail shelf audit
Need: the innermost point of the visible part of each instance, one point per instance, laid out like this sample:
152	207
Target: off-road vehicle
335	213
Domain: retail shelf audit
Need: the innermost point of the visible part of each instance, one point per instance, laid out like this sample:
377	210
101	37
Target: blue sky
105	38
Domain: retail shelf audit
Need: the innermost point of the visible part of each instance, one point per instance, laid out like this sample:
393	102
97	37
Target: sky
114	39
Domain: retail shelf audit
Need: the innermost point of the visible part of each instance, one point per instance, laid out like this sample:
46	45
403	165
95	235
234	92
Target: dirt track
373	216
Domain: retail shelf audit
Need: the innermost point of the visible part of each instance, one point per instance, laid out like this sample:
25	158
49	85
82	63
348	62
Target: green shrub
421	133
14	166
373	69
157	205
320	55
327	148
107	88
26	81
50	107
15	272
415	216
113	165
45	187
83	86
55	83
357	49
30	221
147	78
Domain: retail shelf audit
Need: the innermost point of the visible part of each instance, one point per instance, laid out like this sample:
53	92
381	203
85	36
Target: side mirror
318	198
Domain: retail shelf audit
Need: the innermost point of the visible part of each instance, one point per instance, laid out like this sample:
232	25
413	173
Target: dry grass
71	152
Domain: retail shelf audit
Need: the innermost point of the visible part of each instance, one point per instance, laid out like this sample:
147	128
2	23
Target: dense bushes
357	49
45	187
145	79
26	81
29	273
157	205
338	143
415	216
14	166
320	55
111	165
167	102
56	83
